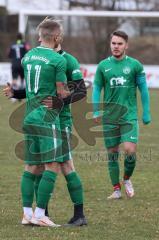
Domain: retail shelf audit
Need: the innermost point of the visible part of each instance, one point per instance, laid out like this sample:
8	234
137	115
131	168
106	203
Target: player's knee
53	166
31	168
67	167
130	148
130	151
113	149
40	169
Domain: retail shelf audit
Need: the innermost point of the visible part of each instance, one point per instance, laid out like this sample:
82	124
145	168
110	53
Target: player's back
42	68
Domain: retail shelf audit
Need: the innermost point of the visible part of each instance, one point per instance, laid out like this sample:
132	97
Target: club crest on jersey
119	81
126	70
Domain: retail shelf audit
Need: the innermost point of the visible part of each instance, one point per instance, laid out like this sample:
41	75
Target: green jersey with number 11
43	67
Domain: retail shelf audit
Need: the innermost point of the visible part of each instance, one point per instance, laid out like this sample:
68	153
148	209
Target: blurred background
86	37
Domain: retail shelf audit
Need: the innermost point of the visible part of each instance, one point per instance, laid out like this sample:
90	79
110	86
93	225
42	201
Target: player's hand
8	91
146	118
97	120
64	93
52	102
48	102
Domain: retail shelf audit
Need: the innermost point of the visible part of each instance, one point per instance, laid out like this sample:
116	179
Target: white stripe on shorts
54	139
68	140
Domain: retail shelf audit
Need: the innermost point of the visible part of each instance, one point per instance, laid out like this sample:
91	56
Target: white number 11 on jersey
37	76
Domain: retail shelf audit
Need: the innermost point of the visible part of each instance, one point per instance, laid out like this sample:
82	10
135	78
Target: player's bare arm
62	90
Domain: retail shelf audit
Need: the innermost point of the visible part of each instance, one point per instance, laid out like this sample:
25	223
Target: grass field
135	219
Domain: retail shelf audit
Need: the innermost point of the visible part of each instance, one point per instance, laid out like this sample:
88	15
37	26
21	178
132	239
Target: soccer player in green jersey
119	76
44	71
77	87
78	90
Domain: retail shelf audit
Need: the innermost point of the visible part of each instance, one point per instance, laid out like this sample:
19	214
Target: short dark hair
19	36
121	34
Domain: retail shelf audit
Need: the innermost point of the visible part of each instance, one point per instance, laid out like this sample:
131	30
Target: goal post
24	14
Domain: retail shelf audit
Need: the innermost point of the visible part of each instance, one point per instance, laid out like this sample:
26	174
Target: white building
15	6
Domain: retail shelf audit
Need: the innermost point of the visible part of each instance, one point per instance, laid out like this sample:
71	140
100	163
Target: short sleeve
76	72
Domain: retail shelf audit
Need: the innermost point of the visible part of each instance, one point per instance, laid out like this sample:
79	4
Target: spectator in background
16	53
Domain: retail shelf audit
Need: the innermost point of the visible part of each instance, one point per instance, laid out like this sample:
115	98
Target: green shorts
66	132
66	143
42	143
114	134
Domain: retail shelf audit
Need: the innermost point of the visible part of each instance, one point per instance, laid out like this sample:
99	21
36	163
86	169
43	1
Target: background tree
96	37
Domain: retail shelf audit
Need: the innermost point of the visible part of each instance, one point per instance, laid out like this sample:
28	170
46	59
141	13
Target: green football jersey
43	67
118	80
73	73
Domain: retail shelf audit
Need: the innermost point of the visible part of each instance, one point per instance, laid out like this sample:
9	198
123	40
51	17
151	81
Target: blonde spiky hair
49	27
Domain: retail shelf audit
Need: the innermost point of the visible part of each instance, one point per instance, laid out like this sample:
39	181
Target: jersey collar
116	60
45	48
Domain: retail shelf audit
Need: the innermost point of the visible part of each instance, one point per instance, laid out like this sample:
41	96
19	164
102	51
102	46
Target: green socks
75	189
36	185
27	188
46	188
129	165
113	167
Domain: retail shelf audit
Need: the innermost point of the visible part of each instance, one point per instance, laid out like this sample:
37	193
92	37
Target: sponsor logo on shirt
119	81
126	70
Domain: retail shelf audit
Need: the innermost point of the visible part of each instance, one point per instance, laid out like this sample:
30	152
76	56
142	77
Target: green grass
135	219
